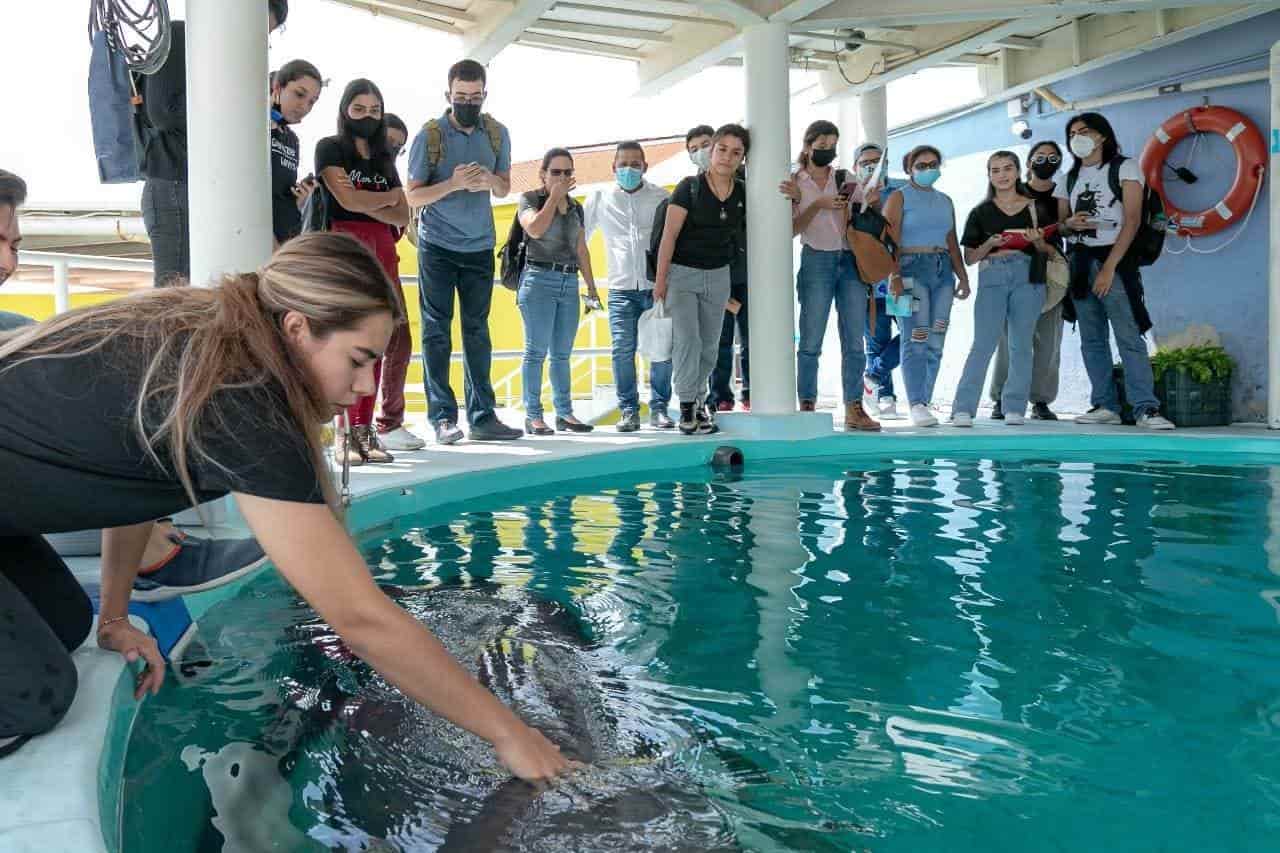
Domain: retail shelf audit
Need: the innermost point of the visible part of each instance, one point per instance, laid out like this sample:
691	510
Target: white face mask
702	158
1082	146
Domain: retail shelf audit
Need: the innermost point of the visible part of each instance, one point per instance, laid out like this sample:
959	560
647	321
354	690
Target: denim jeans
1006	303
933	289
441	272
824	278
695	302
1093	314
720	385
550	307
884	352
166	215
625	308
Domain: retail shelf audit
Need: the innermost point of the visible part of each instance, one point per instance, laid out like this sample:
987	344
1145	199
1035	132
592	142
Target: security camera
1021	129
854	39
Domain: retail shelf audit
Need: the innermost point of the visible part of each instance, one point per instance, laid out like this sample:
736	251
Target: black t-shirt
987	219
71	457
369	175
162	121
286	218
711	233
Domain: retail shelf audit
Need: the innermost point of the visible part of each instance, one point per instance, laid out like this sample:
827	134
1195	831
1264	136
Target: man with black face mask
457	163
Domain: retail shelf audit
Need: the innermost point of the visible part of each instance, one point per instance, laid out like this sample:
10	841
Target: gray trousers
165	212
1046	349
695	302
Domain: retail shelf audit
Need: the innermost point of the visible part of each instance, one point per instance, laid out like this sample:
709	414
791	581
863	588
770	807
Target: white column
873	109
61	287
849	121
772	322
229	177
1273	326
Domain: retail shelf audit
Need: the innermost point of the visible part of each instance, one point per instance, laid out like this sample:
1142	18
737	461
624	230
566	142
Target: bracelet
114	619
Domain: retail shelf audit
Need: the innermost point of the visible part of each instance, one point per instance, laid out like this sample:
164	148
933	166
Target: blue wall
1228	290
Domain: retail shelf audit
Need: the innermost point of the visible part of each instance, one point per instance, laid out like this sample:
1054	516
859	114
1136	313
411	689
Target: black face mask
822	157
467	115
363	128
1044	171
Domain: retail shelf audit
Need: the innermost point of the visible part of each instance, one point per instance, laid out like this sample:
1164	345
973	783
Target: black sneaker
629	422
1042	412
688	423
997	413
659	419
493	429
198	564
705	420
447	432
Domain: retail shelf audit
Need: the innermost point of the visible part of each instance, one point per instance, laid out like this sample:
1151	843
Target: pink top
826	230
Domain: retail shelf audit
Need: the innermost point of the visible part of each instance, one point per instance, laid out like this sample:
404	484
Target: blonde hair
198	341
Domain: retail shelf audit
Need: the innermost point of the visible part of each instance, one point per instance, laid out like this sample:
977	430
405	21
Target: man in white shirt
624	213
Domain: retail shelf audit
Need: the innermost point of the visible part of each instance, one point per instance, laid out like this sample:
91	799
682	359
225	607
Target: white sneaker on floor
401	439
961	419
1098	415
1015	418
921	416
886	409
868	396
1154	420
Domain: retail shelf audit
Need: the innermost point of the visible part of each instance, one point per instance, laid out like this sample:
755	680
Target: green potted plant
1193	384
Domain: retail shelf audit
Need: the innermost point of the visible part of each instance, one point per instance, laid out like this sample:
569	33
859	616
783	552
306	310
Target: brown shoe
855	418
808	406
366	440
345	447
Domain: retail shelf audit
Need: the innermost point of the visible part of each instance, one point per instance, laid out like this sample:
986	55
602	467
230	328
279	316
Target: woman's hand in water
122	637
528	754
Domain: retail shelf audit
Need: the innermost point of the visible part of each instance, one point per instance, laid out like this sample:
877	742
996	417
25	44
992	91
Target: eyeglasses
560	173
1046	158
923	166
469	100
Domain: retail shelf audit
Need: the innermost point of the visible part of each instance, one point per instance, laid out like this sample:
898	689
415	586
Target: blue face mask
928	177
628	177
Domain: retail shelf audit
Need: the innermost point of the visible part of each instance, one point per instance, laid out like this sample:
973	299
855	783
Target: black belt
567	269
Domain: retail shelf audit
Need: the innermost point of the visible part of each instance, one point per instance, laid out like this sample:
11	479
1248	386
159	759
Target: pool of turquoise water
895	654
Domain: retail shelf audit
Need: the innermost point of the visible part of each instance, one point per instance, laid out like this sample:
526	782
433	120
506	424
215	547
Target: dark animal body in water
385	774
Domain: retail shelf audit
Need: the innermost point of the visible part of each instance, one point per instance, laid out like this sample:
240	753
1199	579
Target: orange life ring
1251	165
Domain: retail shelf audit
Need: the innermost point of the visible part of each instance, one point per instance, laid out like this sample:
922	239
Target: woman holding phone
295	88
820	199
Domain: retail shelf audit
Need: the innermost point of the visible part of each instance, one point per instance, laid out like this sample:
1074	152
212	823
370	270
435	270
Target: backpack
1148	243
660	222
435	137
511	257
315	216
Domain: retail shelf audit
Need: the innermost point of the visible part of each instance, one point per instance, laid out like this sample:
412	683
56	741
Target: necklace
724	214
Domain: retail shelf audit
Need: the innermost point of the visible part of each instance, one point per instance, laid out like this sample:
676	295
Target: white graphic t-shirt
1092	195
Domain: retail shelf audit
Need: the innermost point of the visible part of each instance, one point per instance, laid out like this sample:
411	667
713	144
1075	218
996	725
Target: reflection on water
915	654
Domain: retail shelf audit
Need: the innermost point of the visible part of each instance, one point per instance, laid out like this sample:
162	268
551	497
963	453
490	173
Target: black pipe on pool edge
727	457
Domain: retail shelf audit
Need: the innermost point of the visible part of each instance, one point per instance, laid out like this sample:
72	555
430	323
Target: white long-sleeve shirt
626	220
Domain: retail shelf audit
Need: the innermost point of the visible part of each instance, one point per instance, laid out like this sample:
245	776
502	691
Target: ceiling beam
692	52
1019	43
873	13
420	20
733	11
499	29
647	16
422	7
798	9
573	27
590	48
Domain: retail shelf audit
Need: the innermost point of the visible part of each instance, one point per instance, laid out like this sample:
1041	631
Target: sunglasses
560	173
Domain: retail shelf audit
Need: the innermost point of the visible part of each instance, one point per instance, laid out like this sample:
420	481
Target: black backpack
511	257
1148	243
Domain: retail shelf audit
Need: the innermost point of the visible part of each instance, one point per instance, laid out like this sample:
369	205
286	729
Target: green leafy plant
1204	363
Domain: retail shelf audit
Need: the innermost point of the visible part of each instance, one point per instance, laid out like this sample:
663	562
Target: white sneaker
1015	418
886	409
1098	415
961	419
1154	420
868	396
921	416
401	439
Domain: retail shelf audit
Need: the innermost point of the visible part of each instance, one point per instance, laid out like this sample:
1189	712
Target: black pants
720	383
44	616
166	213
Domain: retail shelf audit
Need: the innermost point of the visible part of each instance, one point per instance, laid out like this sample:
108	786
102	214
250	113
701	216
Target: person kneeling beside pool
195	394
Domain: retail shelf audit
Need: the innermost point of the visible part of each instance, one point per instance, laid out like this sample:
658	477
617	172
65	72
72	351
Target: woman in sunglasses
1043	164
925	222
555	253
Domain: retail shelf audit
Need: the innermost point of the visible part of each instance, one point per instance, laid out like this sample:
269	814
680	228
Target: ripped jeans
926	329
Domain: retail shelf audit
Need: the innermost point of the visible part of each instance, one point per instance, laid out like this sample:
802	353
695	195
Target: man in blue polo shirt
457	163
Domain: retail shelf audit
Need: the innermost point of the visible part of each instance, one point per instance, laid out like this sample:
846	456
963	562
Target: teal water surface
840	654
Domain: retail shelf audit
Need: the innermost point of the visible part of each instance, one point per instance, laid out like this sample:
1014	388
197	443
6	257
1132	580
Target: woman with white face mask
925	221
1101	204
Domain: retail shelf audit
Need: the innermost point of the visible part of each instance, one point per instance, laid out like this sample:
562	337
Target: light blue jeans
625	308
549	305
1006	301
1093	315
926	328
826	278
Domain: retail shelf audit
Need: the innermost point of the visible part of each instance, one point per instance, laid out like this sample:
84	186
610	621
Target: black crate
1191	403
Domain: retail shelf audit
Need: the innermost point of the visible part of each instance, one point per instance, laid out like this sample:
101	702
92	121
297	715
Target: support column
1273	289
61	287
849	121
772	321
873	109
228	172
